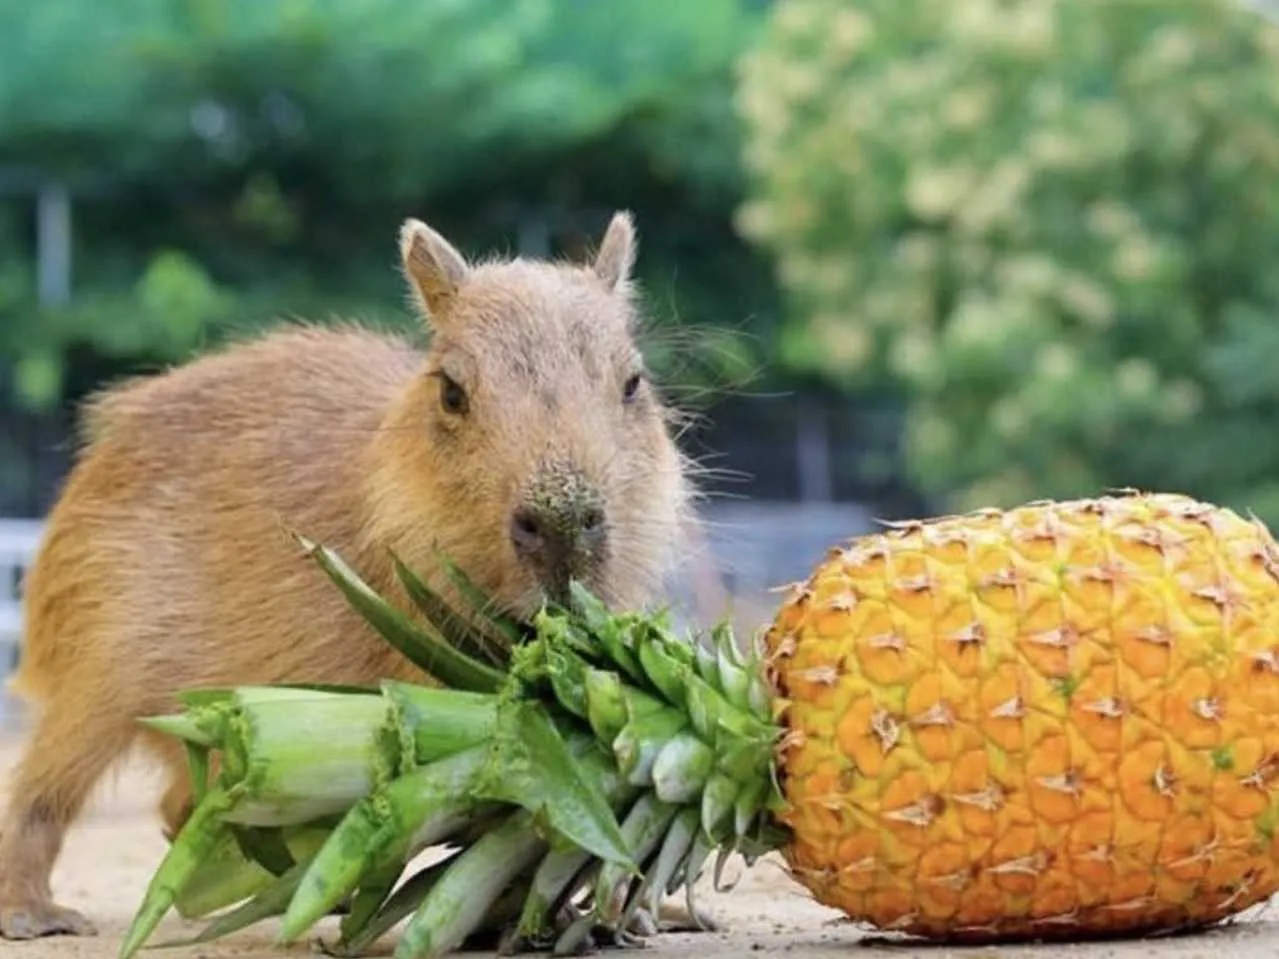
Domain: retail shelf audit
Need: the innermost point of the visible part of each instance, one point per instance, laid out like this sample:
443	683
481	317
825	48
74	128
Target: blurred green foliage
234	160
1049	228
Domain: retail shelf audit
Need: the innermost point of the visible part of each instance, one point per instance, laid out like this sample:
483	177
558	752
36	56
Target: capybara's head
533	448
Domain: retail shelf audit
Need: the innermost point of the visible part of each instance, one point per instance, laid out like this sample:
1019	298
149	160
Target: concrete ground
111	852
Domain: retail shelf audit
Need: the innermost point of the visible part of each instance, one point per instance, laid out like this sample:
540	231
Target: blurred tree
1048	228
232	160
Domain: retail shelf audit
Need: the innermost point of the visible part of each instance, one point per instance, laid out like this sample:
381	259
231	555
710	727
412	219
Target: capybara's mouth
551	582
554	587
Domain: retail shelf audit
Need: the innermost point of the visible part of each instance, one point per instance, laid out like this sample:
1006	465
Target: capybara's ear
616	256
434	269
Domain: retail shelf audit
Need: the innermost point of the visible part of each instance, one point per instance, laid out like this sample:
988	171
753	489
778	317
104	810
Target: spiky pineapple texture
1055	721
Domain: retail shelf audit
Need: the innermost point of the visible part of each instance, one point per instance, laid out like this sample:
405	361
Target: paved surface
111	853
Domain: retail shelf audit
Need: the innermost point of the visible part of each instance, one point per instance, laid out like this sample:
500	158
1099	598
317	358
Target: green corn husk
293	757
459	902
597	773
420	807
302	754
527	762
389	817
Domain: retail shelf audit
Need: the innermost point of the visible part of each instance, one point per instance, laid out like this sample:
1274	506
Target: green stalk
269	901
192	845
423	805
181	726
644	827
458	633
303	755
293	756
227	876
675	849
198	769
376	885
557	876
505	626
465	893
420	643
224	877
441	721
397	908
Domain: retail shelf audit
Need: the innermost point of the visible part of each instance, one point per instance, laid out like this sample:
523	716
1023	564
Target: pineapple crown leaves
585	751
421	642
212	720
194	844
691	724
531	765
685	720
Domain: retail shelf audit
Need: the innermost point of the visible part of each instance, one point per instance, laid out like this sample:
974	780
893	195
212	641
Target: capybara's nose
560	538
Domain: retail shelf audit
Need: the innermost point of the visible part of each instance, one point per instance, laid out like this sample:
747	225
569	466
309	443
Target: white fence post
54	242
18	541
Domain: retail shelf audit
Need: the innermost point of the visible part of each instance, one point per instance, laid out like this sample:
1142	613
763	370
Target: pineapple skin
1055	722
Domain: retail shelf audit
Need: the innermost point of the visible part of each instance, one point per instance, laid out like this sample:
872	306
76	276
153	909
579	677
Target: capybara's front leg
62	763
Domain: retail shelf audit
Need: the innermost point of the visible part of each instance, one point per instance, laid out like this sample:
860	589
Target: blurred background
900	256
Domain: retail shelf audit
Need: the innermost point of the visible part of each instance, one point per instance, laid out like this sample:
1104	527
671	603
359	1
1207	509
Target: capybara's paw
669	918
642	924
31	918
674	917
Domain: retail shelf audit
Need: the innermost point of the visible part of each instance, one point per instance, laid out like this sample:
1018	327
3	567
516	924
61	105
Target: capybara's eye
631	387
452	396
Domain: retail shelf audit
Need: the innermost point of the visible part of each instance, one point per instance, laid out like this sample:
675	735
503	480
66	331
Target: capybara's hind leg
178	800
62	763
176	805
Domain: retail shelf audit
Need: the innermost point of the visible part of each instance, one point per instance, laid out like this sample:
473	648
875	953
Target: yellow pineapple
1054	722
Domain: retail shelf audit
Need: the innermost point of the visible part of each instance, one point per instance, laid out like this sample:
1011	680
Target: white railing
18	541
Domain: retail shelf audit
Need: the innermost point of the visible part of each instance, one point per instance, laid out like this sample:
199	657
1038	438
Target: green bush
1052	228
232	161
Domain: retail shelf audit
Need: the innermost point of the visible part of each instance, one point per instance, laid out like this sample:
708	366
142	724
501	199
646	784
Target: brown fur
165	563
